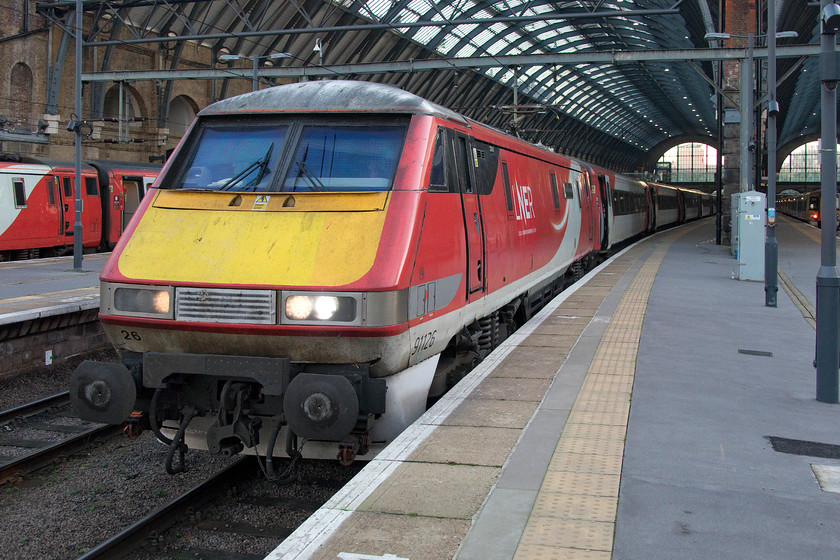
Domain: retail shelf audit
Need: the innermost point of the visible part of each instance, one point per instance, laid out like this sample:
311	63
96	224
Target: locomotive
37	203
318	260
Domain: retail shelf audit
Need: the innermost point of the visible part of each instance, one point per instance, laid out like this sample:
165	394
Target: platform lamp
256	63
828	279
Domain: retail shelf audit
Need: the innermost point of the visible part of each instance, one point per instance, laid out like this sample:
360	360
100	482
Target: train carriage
317	260
38	201
37	207
123	184
669	205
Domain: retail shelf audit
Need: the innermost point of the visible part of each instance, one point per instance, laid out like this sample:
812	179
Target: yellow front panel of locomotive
292	247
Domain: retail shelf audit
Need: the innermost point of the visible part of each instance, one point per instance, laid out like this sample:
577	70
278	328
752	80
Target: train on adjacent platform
318	260
804	206
38	201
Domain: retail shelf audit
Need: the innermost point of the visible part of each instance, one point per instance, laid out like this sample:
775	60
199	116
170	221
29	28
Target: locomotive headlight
149	302
325	307
321	308
299	308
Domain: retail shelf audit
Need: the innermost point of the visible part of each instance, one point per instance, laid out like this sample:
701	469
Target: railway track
215	519
42	432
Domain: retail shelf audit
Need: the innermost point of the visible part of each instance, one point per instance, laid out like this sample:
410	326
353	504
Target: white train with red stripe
38	201
319	259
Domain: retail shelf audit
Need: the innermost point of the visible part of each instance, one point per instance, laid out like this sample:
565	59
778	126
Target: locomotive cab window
239	157
437	176
345	158
20	193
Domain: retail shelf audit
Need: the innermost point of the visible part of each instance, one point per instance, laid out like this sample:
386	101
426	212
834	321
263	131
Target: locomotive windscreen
234	158
353	158
291	156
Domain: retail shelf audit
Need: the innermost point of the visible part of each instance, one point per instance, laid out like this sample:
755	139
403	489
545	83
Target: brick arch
136	104
20	92
182	110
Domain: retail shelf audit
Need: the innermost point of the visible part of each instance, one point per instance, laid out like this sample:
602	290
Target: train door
606	199
471	209
590	214
652	202
134	190
54	207
67	202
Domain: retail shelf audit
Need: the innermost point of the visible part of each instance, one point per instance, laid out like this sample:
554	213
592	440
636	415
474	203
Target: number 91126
423	342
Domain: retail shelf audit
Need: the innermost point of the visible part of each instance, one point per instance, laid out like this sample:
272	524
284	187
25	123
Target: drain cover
807	448
755	353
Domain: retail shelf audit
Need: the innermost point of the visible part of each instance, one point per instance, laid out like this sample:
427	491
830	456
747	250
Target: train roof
23	159
108	164
332	96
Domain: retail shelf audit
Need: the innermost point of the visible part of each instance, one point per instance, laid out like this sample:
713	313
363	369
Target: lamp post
828	279
256	63
771	246
78	247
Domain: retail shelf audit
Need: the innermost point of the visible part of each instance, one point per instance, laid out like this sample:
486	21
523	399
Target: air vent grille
252	307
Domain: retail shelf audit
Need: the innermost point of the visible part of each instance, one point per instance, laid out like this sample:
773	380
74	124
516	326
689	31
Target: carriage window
91	187
51	191
568	192
68	187
345	158
20	193
233	158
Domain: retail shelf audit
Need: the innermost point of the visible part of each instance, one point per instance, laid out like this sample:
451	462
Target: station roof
611	81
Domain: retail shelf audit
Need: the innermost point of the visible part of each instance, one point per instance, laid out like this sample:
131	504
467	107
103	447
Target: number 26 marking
133	335
423	342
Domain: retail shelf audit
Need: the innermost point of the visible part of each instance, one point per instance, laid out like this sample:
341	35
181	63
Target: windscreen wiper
306	173
261	164
314	182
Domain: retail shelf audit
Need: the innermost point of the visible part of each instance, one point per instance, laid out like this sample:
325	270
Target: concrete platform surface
634	418
48	287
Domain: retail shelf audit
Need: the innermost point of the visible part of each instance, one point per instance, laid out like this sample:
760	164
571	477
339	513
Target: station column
739	20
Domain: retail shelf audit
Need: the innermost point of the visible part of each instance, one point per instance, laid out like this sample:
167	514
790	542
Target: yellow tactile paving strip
575	511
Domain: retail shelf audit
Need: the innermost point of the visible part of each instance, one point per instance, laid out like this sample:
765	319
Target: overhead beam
625	14
471	63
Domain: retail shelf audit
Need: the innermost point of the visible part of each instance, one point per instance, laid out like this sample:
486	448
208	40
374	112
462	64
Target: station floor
656	409
47	287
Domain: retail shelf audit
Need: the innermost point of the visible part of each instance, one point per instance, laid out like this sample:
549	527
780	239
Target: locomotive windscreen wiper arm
307	174
261	164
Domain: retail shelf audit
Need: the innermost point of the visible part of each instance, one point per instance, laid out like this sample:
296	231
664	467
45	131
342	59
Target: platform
47	287
633	418
48	311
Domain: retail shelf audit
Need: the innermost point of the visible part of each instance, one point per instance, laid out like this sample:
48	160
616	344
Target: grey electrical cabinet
751	220
733	225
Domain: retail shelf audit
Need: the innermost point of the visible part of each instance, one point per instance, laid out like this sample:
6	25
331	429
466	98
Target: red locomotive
38	200
319	259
